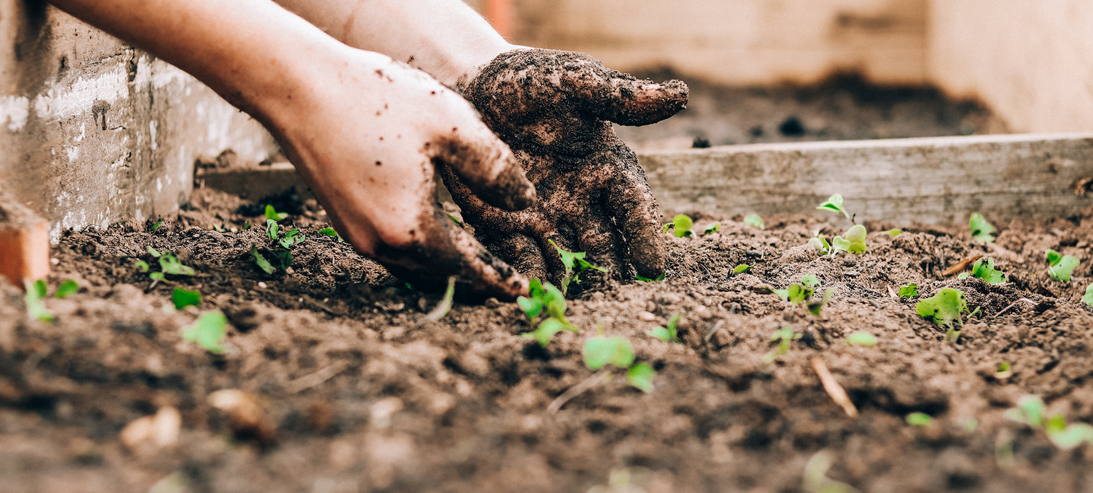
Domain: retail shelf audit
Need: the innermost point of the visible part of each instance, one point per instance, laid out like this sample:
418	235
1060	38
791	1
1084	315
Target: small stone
646	316
262	285
153	432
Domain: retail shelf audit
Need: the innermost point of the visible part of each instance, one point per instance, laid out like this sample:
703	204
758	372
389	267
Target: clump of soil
357	393
842	107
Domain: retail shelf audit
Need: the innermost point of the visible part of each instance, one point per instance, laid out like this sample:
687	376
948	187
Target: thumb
632	101
486	166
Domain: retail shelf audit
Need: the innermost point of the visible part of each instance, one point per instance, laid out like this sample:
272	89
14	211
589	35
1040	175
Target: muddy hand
368	142
555	109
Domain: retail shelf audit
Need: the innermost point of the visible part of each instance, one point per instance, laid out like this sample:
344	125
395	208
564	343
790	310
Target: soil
842	107
348	388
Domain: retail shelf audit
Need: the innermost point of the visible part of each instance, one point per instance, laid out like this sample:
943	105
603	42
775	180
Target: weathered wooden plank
933	180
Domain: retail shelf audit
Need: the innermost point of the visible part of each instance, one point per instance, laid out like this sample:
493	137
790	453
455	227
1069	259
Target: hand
555	109
366	132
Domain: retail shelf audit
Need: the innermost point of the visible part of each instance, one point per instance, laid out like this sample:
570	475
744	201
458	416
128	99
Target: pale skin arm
363	130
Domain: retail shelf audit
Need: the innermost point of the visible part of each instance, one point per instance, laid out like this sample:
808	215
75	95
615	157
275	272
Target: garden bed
356	392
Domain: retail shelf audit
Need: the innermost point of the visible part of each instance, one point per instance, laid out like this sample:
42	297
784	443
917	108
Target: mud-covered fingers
523	254
485	165
632	101
600	242
638	218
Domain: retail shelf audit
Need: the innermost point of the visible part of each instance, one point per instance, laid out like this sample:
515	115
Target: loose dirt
350	391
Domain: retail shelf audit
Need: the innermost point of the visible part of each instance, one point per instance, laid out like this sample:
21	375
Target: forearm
444	38
249	51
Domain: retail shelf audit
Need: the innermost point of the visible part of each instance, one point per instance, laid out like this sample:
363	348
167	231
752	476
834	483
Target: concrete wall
1031	60
94	132
738	41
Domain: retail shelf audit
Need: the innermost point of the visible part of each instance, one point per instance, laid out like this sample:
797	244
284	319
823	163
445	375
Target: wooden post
24	242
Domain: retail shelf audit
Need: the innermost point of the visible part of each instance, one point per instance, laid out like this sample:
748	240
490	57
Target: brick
24	242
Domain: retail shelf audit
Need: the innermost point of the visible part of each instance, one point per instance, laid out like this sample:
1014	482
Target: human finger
627	100
485	164
638	218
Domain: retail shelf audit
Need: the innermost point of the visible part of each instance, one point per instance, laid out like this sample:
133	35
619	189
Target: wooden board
935	180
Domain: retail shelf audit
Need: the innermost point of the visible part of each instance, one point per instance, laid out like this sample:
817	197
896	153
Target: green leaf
208	332
855	236
272	214
262	262
291	238
156	226
153	251
36	306
170	264
816	307
713	228
141	265
66	289
1061	266
1030	410
183	298
782	293
455	219
41	289
546	330
1088	298
531	307
919	419
839	244
798	294
754	221
982	231
157	276
986	272
646	279
641	377
909	291
861	338
834	203
740	269
810	281
667	334
820	244
575	264
945	308
601	351
272	229
1070	437
330	232
682	225
784	336
894	232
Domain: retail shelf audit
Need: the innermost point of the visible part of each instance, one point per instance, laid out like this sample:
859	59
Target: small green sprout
919	419
66	289
713	228
854	242
1003	371
219	228
141	265
909	291
169	264
282	250
820	244
1031	411
36	306
183	297
646	279
834	203
667	334
810	280
575	265
445	304
784	337
861	338
546	331
894	232
208	332
331	233
816	307
680	226
754	221
985	271
156	226
740	269
1060	266
945	308
641	377
1088	298
262	262
982	231
799	292
273	215
455	219
543	297
601	351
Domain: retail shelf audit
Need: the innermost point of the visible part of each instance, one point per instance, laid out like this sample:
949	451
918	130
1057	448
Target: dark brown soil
357	394
843	107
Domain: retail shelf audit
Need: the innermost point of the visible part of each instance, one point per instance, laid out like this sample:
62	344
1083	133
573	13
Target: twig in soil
1006	309
444	306
713	330
576	390
315	379
961	265
836	391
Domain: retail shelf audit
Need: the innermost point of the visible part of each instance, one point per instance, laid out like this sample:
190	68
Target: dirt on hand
555	110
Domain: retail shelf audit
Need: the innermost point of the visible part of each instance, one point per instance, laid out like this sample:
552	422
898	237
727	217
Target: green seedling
35	301
331	233
273	215
740	269
754	221
183	298
646	279
262	262
208	332
1003	371
641	377
667	334
680	226
853	243
713	228
156	226
834	203
575	265
894	232
946	308
282	250
601	351
544	297
445	304
547	329
985	271
820	244
817	307
982	231
66	289
800	292
1088	298
861	338
919	419
1061	266
1031	411
810	280
454	219
784	337
909	291
141	265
